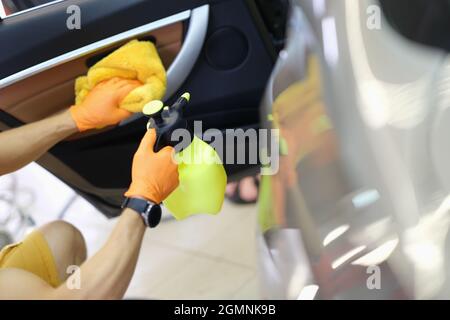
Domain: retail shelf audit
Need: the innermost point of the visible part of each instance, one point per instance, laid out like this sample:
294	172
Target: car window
13	7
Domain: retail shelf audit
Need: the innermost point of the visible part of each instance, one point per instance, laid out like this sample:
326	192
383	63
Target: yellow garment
33	255
202	182
136	60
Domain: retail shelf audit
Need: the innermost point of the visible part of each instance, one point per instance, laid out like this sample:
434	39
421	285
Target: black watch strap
149	211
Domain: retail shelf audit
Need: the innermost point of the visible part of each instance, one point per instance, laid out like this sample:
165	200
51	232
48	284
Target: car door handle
182	66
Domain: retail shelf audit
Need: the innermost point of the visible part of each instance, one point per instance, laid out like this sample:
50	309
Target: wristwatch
149	211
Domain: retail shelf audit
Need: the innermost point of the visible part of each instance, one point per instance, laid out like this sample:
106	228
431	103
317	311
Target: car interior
193	38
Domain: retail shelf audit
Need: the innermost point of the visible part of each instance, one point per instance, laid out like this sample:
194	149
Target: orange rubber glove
154	175
101	106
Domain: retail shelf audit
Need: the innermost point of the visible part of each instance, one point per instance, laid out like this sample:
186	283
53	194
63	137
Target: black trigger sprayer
167	120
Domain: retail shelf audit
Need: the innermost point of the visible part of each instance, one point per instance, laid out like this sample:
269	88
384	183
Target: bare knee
65	236
66	243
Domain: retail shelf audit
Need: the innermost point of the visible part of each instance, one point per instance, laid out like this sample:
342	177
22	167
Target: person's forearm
20	146
108	273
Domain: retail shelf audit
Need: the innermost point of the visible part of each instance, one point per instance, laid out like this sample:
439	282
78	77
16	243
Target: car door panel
53	89
225	89
42	34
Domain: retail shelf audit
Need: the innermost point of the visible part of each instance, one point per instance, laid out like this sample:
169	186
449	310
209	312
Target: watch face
154	216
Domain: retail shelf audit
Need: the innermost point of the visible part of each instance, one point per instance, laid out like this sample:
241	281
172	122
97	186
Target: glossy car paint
359	207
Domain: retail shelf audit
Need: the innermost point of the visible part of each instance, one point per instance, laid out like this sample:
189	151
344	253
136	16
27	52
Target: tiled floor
203	257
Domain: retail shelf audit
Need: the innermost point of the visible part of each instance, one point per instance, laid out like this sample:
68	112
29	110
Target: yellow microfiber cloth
136	60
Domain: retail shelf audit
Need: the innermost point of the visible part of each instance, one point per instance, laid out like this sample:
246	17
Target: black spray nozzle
166	120
182	102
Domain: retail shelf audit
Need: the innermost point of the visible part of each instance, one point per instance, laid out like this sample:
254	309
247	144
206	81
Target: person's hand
101	106
154	175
